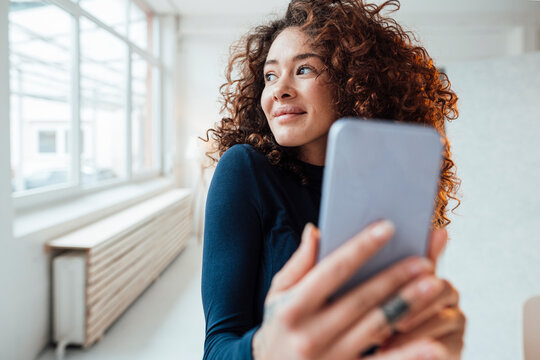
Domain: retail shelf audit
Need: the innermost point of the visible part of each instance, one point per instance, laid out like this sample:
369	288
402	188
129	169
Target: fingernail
305	233
315	231
427	286
382	229
418	266
308	228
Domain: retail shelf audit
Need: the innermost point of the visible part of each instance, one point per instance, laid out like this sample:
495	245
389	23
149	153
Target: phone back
379	170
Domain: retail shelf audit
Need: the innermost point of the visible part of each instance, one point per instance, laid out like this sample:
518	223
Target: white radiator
108	264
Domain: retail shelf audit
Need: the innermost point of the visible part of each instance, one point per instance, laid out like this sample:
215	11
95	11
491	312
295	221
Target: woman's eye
269	77
304	70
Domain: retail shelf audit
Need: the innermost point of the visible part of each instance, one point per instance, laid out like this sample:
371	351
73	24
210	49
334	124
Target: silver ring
394	309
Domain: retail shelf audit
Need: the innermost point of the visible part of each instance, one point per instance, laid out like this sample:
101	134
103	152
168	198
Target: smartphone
379	170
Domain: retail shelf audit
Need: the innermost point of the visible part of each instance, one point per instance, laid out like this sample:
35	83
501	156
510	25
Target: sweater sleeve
231	255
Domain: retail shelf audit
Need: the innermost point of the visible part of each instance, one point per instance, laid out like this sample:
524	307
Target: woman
264	296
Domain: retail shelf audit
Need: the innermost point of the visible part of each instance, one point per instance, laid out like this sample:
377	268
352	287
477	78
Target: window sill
53	221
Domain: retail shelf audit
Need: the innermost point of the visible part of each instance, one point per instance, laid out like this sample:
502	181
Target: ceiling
225	7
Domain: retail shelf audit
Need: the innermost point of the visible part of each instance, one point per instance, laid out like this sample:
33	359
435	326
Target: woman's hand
443	320
299	322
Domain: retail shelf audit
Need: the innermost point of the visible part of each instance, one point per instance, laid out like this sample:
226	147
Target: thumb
301	262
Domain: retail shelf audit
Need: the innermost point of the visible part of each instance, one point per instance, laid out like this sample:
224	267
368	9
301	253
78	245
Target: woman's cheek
266	106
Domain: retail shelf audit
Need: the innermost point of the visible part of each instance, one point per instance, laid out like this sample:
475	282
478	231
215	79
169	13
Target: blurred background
101	104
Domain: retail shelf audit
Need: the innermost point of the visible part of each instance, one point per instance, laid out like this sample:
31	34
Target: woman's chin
288	142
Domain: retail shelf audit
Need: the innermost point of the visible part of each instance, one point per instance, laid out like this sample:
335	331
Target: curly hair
375	69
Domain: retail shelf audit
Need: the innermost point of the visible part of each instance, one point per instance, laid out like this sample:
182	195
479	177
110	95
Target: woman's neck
314	153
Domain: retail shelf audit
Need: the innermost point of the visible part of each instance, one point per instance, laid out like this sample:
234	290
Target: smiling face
297	98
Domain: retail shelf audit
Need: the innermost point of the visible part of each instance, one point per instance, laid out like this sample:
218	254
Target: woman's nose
283	90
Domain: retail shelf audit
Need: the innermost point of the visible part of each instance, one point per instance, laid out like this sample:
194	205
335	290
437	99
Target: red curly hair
375	70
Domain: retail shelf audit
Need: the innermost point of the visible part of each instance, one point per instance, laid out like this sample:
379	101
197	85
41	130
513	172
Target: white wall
203	46
457	37
5	180
23	305
200	68
494	255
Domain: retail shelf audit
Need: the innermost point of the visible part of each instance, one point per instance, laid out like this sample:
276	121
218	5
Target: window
40	81
66	142
47	142
103	100
142	115
84	94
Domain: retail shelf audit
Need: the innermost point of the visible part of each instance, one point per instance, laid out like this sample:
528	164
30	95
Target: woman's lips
288	117
286	113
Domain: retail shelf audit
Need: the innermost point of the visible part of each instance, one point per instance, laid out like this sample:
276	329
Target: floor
165	322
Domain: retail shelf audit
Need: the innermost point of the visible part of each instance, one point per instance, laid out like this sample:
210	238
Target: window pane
40	37
103	94
142	119
111	12
47	141
140	27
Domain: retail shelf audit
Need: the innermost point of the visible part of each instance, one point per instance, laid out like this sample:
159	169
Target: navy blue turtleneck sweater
255	215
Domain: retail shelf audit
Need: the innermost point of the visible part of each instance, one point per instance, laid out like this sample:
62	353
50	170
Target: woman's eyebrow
296	58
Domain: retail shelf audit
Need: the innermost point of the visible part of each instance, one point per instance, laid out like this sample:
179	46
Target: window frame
49	195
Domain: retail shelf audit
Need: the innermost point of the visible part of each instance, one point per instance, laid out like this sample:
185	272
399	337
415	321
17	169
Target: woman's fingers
453	343
377	325
444	325
357	320
300	262
437	244
346	310
315	288
416	350
449	297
